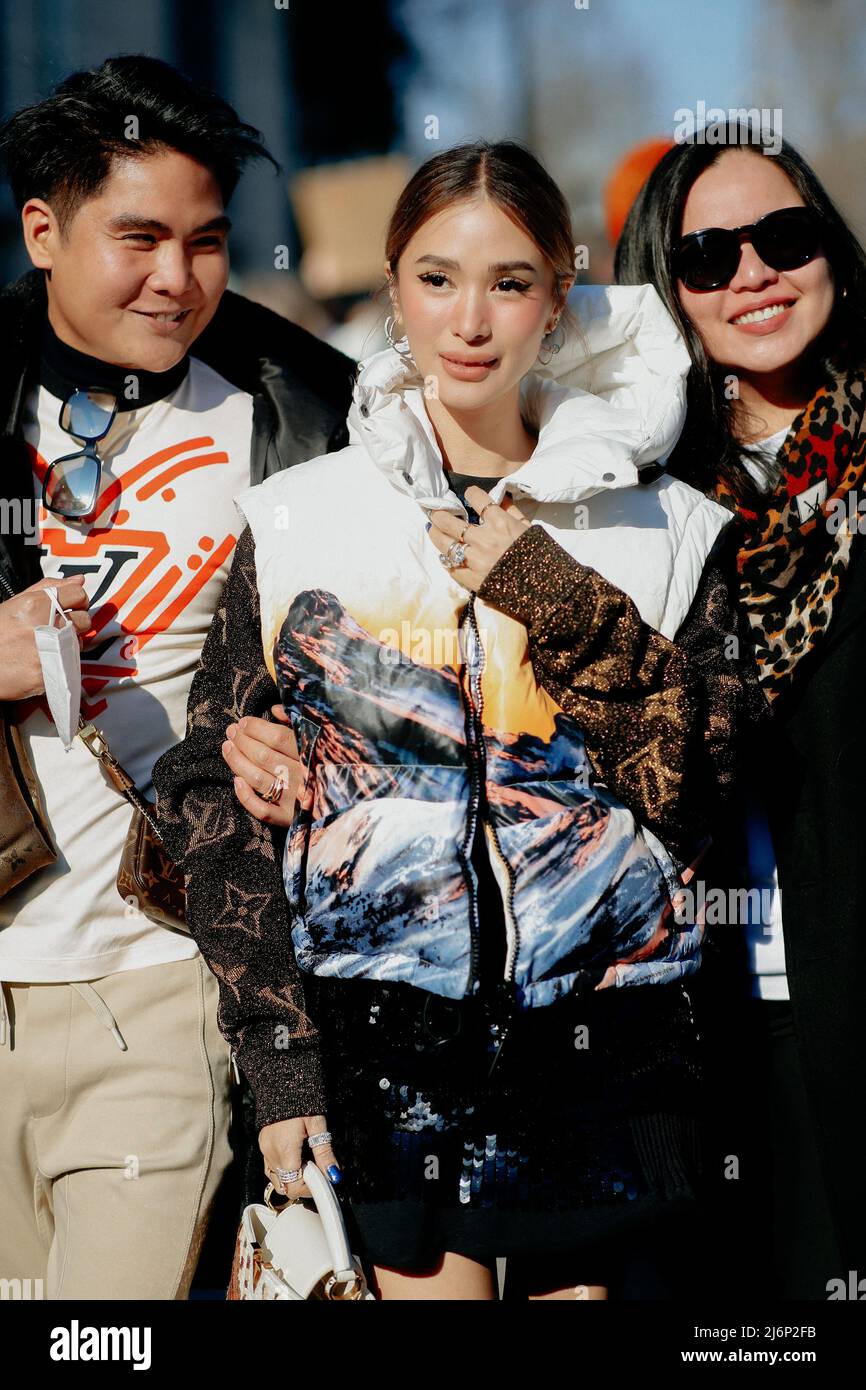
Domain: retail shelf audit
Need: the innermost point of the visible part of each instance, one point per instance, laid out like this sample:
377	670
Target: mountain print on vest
377	861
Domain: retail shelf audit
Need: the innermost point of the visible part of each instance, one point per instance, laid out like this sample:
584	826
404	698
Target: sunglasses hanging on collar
71	486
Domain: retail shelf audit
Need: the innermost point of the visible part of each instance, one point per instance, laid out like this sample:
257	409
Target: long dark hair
708	448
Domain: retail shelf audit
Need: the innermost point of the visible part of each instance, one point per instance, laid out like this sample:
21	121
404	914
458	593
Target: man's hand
257	752
20	672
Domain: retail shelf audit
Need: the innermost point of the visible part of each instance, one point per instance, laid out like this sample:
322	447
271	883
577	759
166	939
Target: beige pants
116	1100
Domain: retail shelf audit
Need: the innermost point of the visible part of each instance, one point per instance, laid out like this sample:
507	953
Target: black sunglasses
785	240
71	486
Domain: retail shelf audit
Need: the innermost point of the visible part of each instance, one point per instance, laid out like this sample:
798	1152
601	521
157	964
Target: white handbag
298	1250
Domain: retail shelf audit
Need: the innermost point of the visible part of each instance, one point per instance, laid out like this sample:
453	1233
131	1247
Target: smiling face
476	296
143	264
764	320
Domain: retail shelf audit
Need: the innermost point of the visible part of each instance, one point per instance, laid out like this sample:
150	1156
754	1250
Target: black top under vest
491	912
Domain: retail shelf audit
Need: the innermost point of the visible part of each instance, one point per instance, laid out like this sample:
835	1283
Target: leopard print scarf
794	550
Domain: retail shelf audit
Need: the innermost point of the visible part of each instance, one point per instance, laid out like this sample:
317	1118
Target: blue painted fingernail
334	1173
428	525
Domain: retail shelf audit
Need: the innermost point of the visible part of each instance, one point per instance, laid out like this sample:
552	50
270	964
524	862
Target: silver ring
454	556
324	1137
291	1175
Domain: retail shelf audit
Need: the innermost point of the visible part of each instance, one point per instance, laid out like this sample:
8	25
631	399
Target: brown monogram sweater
659	719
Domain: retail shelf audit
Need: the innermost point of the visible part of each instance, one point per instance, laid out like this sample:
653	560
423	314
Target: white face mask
60	659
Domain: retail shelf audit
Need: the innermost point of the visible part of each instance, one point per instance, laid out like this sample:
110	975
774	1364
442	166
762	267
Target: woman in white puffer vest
465	891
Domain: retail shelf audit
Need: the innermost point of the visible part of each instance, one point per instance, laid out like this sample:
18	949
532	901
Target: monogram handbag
297	1251
25	839
146	874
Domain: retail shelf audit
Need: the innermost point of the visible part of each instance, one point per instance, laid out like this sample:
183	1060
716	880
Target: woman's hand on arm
260	753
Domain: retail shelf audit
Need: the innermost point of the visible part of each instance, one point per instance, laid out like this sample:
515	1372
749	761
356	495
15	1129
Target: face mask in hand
60	659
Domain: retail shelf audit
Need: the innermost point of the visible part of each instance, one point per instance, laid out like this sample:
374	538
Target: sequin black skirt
580	1132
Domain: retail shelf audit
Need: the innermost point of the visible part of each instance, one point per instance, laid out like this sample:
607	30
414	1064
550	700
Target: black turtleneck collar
63	369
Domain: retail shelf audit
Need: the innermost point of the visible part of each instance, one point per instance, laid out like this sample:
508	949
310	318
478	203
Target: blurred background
351	97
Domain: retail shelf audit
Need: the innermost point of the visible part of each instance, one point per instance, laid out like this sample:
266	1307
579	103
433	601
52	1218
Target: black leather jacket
301	390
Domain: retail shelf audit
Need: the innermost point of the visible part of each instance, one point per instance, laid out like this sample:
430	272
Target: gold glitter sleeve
236	902
659	717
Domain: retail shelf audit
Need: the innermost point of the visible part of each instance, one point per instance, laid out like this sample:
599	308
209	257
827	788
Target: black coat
807	764
818	822
301	391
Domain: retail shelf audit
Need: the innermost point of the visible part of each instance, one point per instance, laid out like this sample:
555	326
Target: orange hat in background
627	179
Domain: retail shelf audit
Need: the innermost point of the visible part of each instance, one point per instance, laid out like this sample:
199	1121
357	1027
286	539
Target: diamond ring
324	1137
454	556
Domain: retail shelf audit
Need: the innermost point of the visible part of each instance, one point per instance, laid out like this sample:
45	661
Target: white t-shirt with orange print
153	561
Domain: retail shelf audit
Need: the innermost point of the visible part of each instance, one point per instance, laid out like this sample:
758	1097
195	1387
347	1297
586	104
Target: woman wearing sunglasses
768	285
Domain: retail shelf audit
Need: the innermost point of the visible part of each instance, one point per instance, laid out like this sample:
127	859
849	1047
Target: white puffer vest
414	703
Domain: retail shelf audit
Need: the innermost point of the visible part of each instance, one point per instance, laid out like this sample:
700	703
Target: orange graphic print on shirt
141	589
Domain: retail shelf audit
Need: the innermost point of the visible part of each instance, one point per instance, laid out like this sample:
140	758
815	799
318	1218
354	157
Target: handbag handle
331	1216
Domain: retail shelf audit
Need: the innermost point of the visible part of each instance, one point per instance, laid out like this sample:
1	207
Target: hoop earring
392	342
551	348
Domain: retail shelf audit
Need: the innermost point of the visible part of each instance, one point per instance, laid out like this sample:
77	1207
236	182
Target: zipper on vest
505	987
475	781
6	585
505	1003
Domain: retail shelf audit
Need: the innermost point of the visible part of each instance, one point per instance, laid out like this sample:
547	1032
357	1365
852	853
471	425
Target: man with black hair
123	339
